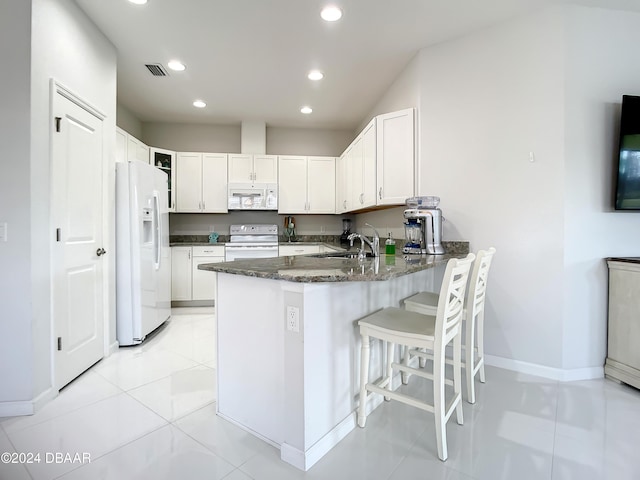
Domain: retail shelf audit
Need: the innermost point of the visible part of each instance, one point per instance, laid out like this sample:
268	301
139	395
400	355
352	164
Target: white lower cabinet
180	273
187	281
203	285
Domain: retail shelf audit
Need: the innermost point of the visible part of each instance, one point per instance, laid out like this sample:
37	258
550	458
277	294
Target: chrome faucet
374	244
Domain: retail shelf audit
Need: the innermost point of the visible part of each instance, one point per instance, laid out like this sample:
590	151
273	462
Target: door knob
101	251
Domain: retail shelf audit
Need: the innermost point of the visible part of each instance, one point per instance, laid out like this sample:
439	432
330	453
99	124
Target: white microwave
253	196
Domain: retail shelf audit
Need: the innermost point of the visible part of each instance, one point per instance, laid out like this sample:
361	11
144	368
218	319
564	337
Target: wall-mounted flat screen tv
628	184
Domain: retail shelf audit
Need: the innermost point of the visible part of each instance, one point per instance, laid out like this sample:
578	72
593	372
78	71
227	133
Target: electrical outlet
322	229
293	319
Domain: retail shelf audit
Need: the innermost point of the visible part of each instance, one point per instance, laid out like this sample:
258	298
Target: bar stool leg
470	359
364	376
439	404
457	376
391	348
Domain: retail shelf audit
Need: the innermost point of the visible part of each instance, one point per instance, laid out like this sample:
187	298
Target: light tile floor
148	412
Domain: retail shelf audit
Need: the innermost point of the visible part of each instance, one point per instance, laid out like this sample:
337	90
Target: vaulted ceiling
249	59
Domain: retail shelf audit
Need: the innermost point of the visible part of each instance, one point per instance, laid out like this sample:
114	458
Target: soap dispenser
390	246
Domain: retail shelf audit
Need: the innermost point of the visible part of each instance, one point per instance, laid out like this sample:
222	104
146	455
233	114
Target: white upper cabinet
396	157
306	184
362	158
245	168
321	184
165	160
201	182
292	184
129	147
343	182
379	167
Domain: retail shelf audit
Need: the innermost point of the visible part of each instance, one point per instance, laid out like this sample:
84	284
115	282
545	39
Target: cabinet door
122	139
321	184
165	160
136	150
369	165
356	169
343	184
265	168
240	168
180	273
395	157
188	182
204	282
214	183
292	184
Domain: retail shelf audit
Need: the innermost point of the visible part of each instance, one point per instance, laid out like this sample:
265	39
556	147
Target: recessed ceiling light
138	2
306	110
199	104
331	13
176	65
315	75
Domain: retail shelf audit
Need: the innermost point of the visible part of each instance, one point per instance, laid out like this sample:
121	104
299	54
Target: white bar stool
427	304
414	330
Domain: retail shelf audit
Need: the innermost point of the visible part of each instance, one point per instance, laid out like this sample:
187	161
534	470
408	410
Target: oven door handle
247	247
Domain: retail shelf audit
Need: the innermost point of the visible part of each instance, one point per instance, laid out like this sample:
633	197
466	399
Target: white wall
227	139
602	65
126	120
66	46
306	141
202	223
403	93
16	359
192	137
551	84
487	100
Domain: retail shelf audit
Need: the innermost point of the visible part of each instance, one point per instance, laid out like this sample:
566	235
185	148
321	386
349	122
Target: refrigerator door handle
157	230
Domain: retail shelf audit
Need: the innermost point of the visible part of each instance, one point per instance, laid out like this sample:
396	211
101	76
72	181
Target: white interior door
77	215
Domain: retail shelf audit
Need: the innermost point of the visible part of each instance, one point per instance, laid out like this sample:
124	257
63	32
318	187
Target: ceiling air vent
156	70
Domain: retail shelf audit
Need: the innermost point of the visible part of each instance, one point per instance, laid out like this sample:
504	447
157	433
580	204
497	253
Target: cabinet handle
189	254
203	205
380	193
361	198
344	204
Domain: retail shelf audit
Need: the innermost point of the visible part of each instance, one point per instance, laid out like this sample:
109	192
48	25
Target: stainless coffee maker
423	216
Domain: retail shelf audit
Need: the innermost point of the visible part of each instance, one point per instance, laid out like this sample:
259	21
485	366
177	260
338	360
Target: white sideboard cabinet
623	354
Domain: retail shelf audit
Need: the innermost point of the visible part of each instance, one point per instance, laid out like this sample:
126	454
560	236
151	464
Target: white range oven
251	241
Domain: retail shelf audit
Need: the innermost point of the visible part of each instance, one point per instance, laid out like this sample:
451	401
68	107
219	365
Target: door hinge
59	344
58	119
57	234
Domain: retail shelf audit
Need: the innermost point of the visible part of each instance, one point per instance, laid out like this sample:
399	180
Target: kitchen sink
350	254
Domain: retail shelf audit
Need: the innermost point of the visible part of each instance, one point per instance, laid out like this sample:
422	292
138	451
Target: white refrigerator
143	256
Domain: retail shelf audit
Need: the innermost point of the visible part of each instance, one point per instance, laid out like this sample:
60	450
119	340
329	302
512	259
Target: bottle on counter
390	246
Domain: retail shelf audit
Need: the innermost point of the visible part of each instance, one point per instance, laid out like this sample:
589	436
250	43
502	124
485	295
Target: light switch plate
3	231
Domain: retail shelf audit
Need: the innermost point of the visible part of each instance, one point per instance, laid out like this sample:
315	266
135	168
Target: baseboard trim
559	374
305	460
27	407
113	348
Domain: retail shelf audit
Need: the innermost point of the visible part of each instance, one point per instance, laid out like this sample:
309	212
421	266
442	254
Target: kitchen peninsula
288	346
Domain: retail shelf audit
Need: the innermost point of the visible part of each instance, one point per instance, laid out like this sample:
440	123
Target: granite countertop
323	268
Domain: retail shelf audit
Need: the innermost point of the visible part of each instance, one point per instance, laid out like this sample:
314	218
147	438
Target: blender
413	235
346	231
